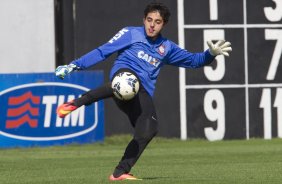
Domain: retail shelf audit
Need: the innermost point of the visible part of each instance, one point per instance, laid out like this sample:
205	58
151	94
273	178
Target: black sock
94	95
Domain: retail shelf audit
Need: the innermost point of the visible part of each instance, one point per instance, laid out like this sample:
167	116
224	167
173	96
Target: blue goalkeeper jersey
145	57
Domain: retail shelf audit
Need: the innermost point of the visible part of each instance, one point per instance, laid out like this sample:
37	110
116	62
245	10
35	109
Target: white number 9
214	107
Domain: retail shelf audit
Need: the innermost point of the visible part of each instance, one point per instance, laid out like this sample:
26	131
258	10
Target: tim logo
29	112
19	109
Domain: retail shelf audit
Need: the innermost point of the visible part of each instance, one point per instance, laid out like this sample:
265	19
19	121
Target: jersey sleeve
121	40
182	58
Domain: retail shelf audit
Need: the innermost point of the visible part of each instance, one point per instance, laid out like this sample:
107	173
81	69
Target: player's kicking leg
88	98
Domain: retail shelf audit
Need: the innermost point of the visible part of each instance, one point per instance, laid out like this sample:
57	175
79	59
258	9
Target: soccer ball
125	85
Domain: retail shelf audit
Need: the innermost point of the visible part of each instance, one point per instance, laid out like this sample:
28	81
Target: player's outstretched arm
63	70
221	47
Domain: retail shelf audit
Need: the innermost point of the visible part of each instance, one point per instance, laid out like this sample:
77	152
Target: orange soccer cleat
65	109
123	177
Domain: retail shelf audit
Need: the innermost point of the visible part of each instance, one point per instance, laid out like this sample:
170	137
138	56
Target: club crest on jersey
161	50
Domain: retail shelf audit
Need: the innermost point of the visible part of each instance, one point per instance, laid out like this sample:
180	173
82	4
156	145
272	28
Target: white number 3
274	14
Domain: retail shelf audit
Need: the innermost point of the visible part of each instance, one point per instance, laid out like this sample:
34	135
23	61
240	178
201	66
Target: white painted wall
27	36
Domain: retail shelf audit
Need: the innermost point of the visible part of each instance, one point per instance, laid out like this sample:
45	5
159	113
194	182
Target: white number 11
265	104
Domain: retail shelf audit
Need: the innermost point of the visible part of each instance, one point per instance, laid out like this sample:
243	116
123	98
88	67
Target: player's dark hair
159	7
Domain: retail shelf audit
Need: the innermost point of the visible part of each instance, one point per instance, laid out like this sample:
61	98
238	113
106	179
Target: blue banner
28	110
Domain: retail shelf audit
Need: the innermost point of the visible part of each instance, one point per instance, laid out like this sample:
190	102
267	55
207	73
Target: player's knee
147	129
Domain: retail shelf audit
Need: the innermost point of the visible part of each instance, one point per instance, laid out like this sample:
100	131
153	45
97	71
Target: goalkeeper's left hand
221	47
63	70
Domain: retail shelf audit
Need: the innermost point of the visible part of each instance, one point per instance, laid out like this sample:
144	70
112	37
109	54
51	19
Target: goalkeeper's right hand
63	70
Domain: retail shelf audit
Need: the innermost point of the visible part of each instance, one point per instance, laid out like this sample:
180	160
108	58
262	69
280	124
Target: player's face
153	23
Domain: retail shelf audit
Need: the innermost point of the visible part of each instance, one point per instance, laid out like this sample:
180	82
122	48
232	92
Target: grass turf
165	161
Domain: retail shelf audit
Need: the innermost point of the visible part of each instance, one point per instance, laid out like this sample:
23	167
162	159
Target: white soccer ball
125	85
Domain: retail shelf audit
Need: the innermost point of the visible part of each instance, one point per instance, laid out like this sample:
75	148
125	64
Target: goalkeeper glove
62	71
221	47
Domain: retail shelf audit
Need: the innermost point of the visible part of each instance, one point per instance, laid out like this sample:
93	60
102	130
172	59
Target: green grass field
166	161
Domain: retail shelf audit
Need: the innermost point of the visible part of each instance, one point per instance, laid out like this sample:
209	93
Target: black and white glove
221	47
63	70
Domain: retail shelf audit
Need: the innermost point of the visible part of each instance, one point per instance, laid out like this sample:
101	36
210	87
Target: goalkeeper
141	51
